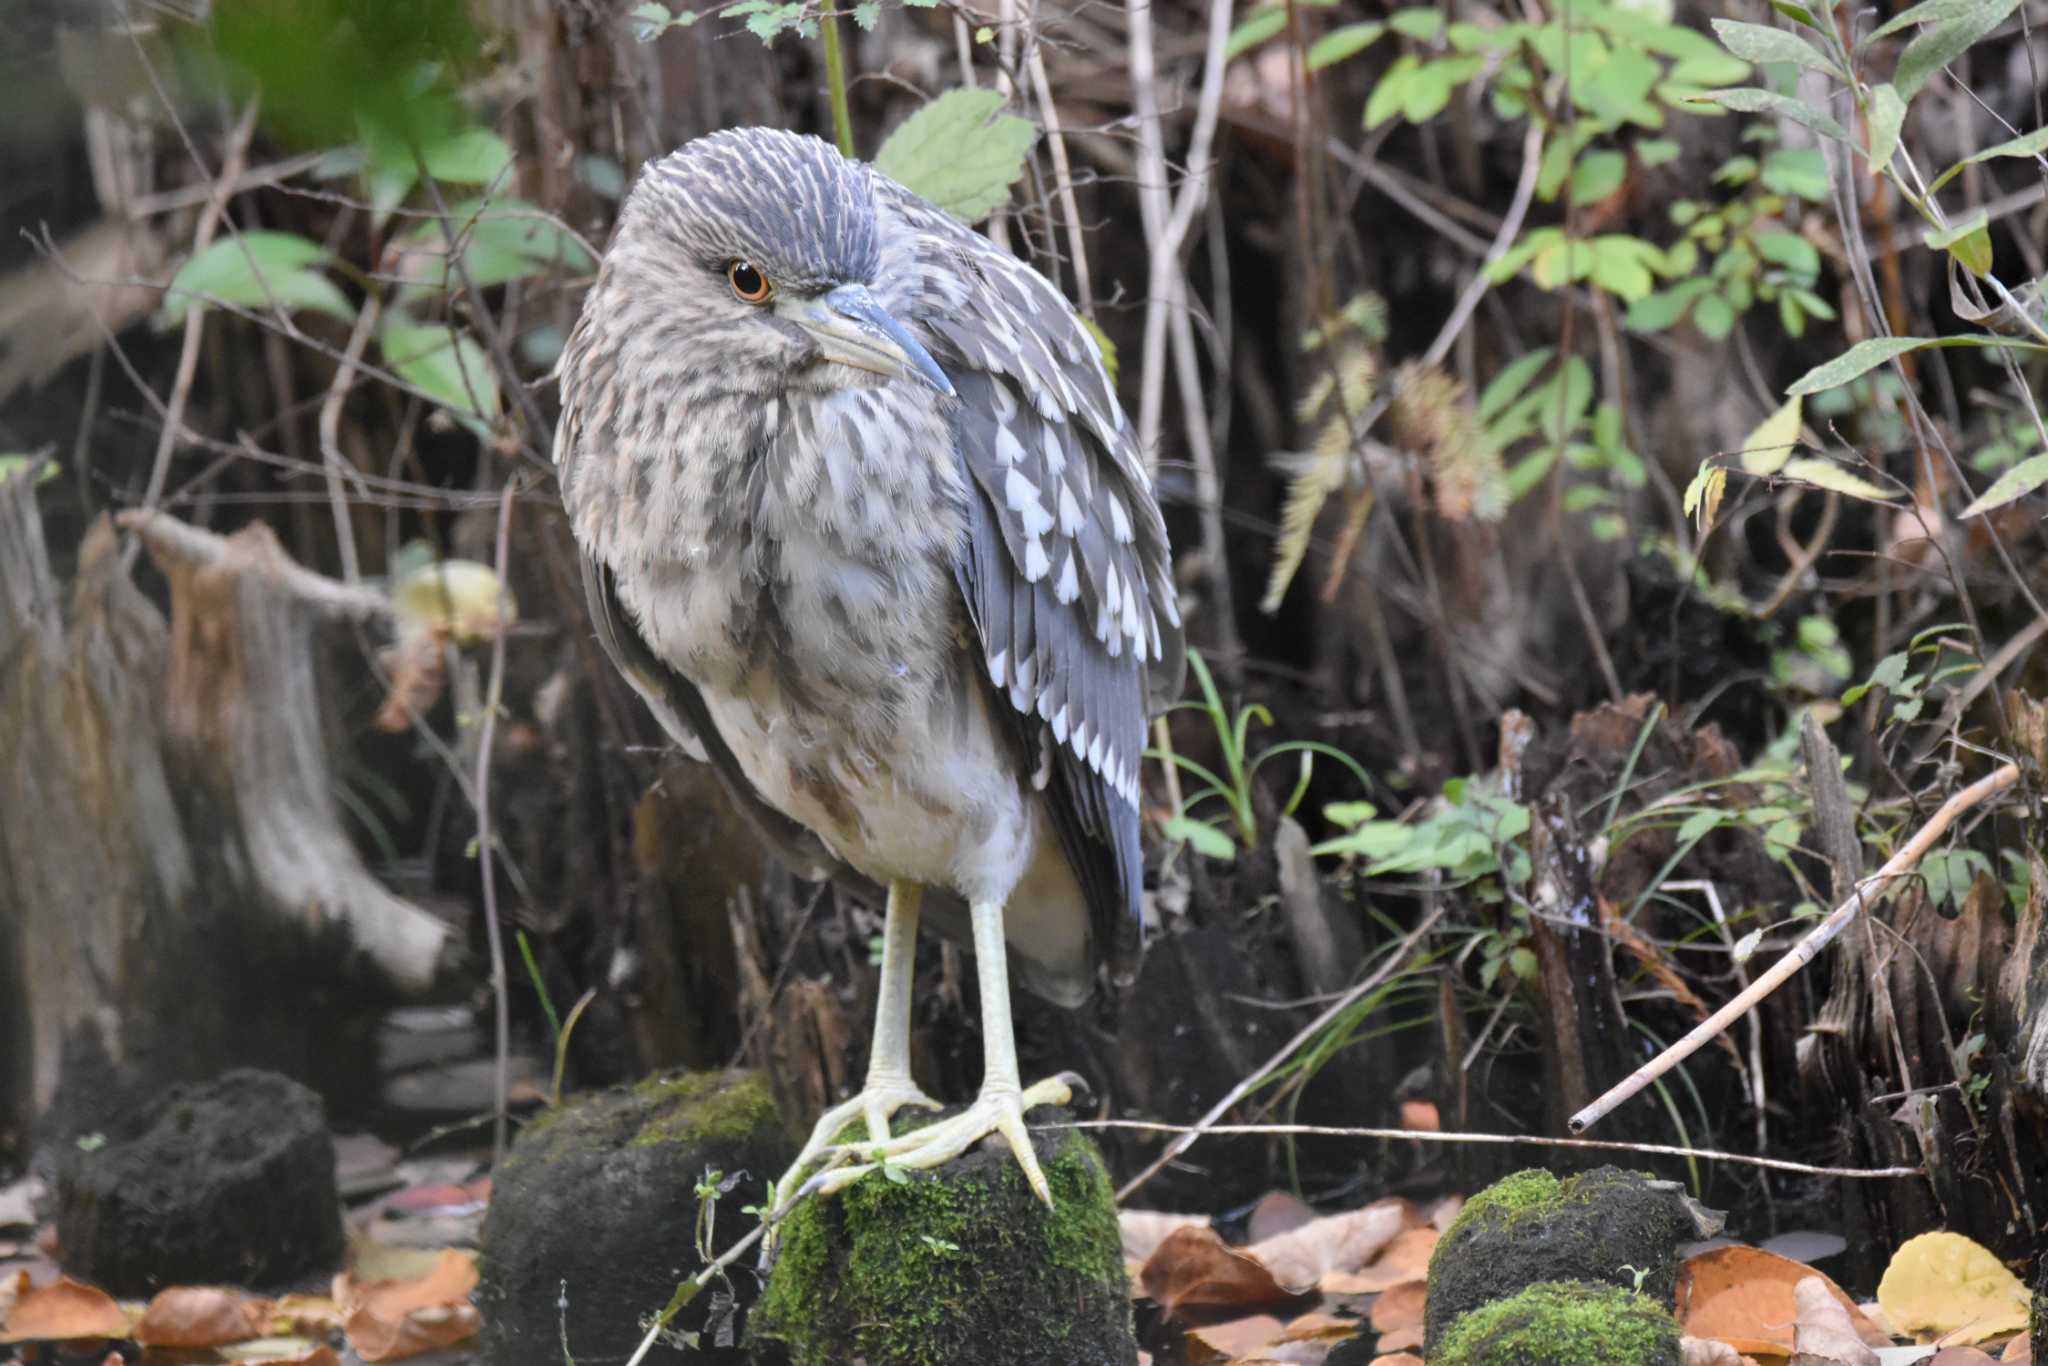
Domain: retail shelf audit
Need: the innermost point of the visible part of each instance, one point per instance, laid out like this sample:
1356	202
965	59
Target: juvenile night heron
864	523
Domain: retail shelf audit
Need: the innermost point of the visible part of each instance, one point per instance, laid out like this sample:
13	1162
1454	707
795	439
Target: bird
864	523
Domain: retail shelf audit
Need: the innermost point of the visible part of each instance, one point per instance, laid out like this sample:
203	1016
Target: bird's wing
1066	572
680	708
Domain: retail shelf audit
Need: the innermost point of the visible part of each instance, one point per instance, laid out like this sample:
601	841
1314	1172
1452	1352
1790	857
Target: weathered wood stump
174	874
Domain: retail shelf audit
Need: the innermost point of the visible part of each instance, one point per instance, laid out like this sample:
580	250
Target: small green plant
1237	826
1469	835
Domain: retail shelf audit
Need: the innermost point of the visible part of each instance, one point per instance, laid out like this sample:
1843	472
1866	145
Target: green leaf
1926	12
1696	826
1750	100
1508	385
1968	241
1104	347
1621	266
1714	316
1703	494
1420	23
500	240
1890	674
1655	312
2031	145
1762	43
1936	47
1826	474
1349	813
1260	27
2017	482
1657	151
16	466
253	269
1790	250
447	366
1859	359
1887	116
1766	449
1598	175
1433	83
1798	14
1391	90
651	21
1203	838
1338	44
959	152
474	156
1801	171
866	13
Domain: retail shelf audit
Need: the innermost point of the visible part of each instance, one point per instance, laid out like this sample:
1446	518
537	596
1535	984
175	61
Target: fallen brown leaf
1401	1339
306	1315
1276	1213
202	1316
1743	1296
1339	1242
390	1319
1406	1258
2020	1349
64	1311
1217	1342
1143	1230
1963	1356
1399	1308
1823	1334
1194	1269
1319	1326
1710	1352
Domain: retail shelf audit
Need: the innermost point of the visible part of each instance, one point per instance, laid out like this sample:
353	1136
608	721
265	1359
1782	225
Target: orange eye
747	282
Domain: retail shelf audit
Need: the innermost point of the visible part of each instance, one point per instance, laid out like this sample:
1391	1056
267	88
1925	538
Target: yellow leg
1000	1107
888	1087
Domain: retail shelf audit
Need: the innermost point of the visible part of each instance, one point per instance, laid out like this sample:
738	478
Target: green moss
1607	1225
914	1272
694	1107
1511	1197
1563	1323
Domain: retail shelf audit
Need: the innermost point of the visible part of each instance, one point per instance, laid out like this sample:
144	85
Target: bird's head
757	250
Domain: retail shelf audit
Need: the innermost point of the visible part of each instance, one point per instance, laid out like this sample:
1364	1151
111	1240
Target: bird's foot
999	1111
877	1101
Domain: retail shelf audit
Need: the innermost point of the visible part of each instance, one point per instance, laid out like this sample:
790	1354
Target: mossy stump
956	1266
1563	1323
1604	1226
596	1210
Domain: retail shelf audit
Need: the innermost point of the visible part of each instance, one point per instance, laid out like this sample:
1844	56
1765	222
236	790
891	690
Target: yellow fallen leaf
1944	1285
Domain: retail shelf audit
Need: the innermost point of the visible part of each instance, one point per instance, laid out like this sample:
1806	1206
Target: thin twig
1070	209
1207	1123
486	732
1192	1132
331	457
1805	950
195	318
687	1291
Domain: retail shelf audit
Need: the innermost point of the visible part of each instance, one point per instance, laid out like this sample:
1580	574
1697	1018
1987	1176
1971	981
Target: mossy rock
1604	1226
1563	1323
597	1201
958	1265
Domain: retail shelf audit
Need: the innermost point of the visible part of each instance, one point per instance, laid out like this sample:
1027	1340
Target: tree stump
171	818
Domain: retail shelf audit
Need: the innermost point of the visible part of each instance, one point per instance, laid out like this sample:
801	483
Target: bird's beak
852	328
